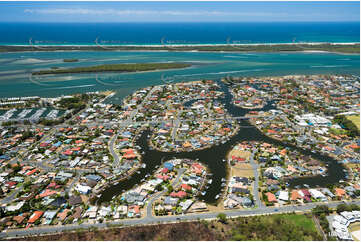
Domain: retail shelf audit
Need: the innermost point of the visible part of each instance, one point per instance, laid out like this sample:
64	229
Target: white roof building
186	204
15	207
283	196
83	189
317	194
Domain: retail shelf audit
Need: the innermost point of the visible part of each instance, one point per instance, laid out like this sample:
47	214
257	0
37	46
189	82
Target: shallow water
15	69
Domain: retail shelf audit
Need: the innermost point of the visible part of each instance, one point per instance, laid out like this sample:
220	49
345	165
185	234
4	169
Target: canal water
213	157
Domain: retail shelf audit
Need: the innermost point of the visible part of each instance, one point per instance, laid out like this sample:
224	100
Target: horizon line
146	22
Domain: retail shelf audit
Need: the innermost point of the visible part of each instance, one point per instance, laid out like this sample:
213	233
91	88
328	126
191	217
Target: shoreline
314	47
183	45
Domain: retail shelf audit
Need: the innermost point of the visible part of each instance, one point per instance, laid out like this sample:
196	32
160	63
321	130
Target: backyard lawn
355	119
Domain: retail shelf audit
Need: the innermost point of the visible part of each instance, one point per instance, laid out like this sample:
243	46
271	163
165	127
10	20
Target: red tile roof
35	216
271	197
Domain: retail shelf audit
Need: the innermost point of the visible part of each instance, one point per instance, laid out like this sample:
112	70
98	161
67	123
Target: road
112	151
76	179
256	179
166	219
175	128
12	195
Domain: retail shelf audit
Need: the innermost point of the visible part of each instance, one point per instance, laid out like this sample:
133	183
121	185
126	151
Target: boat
217	196
305	185
203	193
210	181
341	181
223	179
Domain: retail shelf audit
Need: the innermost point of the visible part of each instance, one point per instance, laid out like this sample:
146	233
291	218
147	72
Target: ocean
15	68
176	33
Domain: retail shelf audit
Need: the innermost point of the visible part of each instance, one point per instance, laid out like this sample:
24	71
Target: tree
222	217
342	207
170	188
321	209
355	207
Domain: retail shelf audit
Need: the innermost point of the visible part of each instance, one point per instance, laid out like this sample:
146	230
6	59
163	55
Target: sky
179	11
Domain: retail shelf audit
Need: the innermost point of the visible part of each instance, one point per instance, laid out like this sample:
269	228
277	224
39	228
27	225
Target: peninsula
115	68
349	48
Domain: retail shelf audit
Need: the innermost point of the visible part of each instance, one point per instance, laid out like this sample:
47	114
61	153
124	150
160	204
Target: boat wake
91	85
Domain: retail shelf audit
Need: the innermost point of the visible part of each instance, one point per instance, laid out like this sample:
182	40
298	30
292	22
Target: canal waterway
213	157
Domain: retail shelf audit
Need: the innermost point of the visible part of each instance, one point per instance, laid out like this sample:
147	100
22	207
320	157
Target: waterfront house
185	205
271	197
91	212
186	187
199	206
327	192
339	192
282	195
170	201
305	195
168	166
179	194
83	189
317	195
295	195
